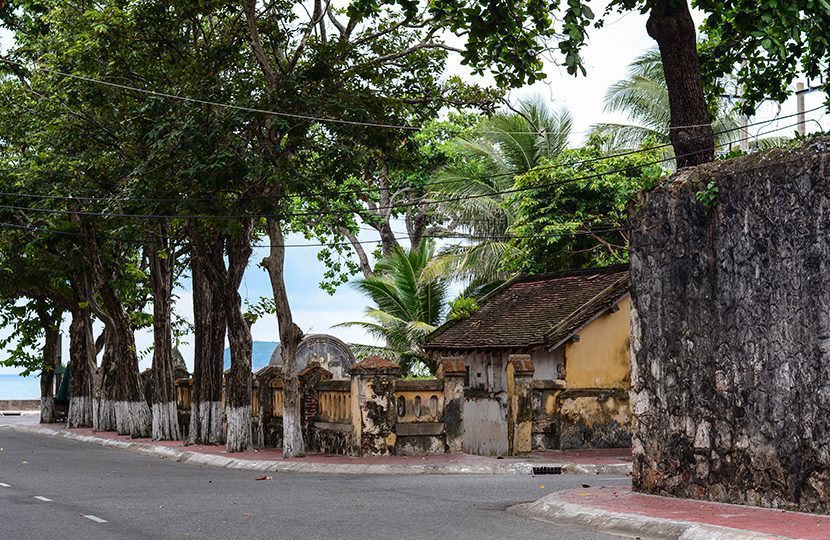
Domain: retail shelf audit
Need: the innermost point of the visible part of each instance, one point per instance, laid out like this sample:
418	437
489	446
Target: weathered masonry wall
731	332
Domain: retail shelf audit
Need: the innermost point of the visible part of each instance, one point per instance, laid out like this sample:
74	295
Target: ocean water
17	387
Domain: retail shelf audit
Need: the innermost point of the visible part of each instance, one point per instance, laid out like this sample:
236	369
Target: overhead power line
284	114
505	237
391	207
116	198
469	237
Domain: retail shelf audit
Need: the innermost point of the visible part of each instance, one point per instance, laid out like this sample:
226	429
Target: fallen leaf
541	486
263	478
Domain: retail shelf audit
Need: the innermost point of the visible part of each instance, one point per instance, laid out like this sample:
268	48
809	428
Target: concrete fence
376	412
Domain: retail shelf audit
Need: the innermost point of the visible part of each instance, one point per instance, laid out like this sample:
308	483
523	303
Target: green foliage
406	307
508	39
765	45
462	308
572	212
264	306
482	165
644	98
708	196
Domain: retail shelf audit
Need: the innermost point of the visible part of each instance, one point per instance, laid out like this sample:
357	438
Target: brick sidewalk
580	457
759	520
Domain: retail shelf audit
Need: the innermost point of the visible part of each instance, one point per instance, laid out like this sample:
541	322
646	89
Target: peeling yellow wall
591	411
601	357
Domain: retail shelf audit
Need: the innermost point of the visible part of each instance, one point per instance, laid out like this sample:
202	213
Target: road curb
554	510
198	458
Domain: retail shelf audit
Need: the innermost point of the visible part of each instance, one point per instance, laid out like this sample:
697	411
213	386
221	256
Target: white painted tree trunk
165	421
239	437
292	442
123	418
141	420
103	415
47	410
80	412
206	426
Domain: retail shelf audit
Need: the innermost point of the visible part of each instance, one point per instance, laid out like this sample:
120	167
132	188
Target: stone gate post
452	371
373	406
519	403
309	379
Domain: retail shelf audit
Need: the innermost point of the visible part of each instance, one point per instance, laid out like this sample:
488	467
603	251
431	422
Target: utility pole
799	104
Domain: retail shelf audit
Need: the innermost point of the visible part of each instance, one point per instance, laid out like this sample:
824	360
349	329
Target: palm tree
644	98
406	307
504	146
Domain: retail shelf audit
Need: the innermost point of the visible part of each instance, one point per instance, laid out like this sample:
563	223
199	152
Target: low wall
594	418
331	438
546	414
419	428
731	331
377	413
567	419
19	405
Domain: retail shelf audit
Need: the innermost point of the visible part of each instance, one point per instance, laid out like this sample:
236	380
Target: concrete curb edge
197	458
551	509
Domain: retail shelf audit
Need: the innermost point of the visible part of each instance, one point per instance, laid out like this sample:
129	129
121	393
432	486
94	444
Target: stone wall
594	418
16	405
579	418
731	332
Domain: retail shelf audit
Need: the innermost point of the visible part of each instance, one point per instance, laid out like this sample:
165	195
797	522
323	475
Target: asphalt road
95	492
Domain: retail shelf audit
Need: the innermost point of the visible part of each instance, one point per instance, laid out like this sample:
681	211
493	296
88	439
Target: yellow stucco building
575	327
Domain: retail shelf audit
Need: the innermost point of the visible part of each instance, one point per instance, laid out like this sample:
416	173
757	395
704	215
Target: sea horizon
14	386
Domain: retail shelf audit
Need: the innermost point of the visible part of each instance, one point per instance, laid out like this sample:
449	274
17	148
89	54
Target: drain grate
547	470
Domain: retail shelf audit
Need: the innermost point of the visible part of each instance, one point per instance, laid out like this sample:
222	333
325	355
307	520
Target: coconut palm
644	98
504	146
406	307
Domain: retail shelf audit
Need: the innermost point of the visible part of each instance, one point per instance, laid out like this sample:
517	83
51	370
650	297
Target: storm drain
547	470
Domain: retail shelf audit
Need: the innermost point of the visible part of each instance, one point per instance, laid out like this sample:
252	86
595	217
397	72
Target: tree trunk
238	391
209	343
388	241
103	414
672	27
122	379
51	361
290	336
82	367
362	257
165	414
238	398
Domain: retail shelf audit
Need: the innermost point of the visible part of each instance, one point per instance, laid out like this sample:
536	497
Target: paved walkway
622	511
611	461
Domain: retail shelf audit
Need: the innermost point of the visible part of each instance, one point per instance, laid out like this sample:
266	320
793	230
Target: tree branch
365	267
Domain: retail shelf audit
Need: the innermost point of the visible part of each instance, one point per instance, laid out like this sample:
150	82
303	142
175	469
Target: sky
606	58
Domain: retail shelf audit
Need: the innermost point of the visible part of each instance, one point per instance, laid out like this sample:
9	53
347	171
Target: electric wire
434	183
390	207
505	237
299	116
346	244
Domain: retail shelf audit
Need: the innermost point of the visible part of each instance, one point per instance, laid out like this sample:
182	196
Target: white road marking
41	498
3	484
96	519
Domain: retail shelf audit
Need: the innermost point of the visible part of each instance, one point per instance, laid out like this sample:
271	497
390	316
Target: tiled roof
373	363
530	311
